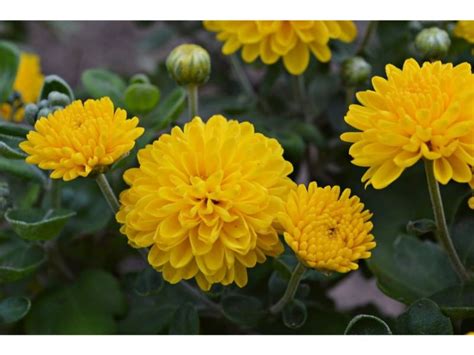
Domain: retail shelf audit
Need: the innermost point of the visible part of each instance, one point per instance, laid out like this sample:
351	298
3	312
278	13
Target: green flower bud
44	112
433	43
56	98
30	113
139	79
43	103
356	71
189	64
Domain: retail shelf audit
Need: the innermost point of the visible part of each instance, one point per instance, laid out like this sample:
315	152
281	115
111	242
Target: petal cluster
205	199
28	83
417	112
465	29
291	40
80	138
327	230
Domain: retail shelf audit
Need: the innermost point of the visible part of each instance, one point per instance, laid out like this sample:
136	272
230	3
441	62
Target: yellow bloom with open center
28	83
291	40
205	198
81	138
417	112
465	29
327	230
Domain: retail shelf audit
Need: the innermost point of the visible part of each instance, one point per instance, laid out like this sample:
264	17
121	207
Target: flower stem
290	289
368	33
108	192
440	220
55	194
193	102
301	96
242	76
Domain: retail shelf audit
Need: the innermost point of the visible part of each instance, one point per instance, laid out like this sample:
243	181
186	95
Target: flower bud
43	103
189	64
56	98
30	113
356	71
433	43
44	112
139	79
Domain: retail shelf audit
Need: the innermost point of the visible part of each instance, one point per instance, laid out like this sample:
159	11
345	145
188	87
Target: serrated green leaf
14	129
18	259
22	169
55	83
423	317
13	309
185	321
38	224
9	60
243	310
141	97
86	307
9	147
101	82
365	324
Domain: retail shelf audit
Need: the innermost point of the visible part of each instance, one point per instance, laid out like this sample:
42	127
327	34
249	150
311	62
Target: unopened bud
433	43
356	70
189	64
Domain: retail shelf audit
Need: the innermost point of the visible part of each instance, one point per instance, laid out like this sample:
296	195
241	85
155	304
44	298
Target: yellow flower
465	29
416	113
81	138
327	230
205	199
28	83
292	40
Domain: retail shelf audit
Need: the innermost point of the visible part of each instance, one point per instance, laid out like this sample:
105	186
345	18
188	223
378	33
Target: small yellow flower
291	40
327	230
81	138
28	83
465	29
205	199
416	113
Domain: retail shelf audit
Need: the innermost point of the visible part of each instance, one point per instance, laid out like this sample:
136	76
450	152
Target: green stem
56	258
200	296
242	76
55	194
193	102
290	289
440	220
301	96
108	192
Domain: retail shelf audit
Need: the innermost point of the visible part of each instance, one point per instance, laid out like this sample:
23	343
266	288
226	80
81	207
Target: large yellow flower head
205	199
81	138
327	230
425	112
28	83
465	29
291	40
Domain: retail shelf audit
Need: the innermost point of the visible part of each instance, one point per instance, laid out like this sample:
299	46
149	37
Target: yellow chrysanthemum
327	230
425	112
28	83
291	40
465	29
205	199
81	138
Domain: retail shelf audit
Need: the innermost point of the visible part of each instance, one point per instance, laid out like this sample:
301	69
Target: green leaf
364	324
14	129
147	319
38	224
9	59
18	259
22	169
101	82
9	147
13	309
421	226
55	83
246	311
86	307
148	282
185	321
462	232
414	269
142	98
169	110
294	314
423	317
456	301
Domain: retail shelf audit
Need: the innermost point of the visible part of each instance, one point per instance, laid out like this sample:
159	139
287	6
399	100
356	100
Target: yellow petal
296	61
385	175
443	170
